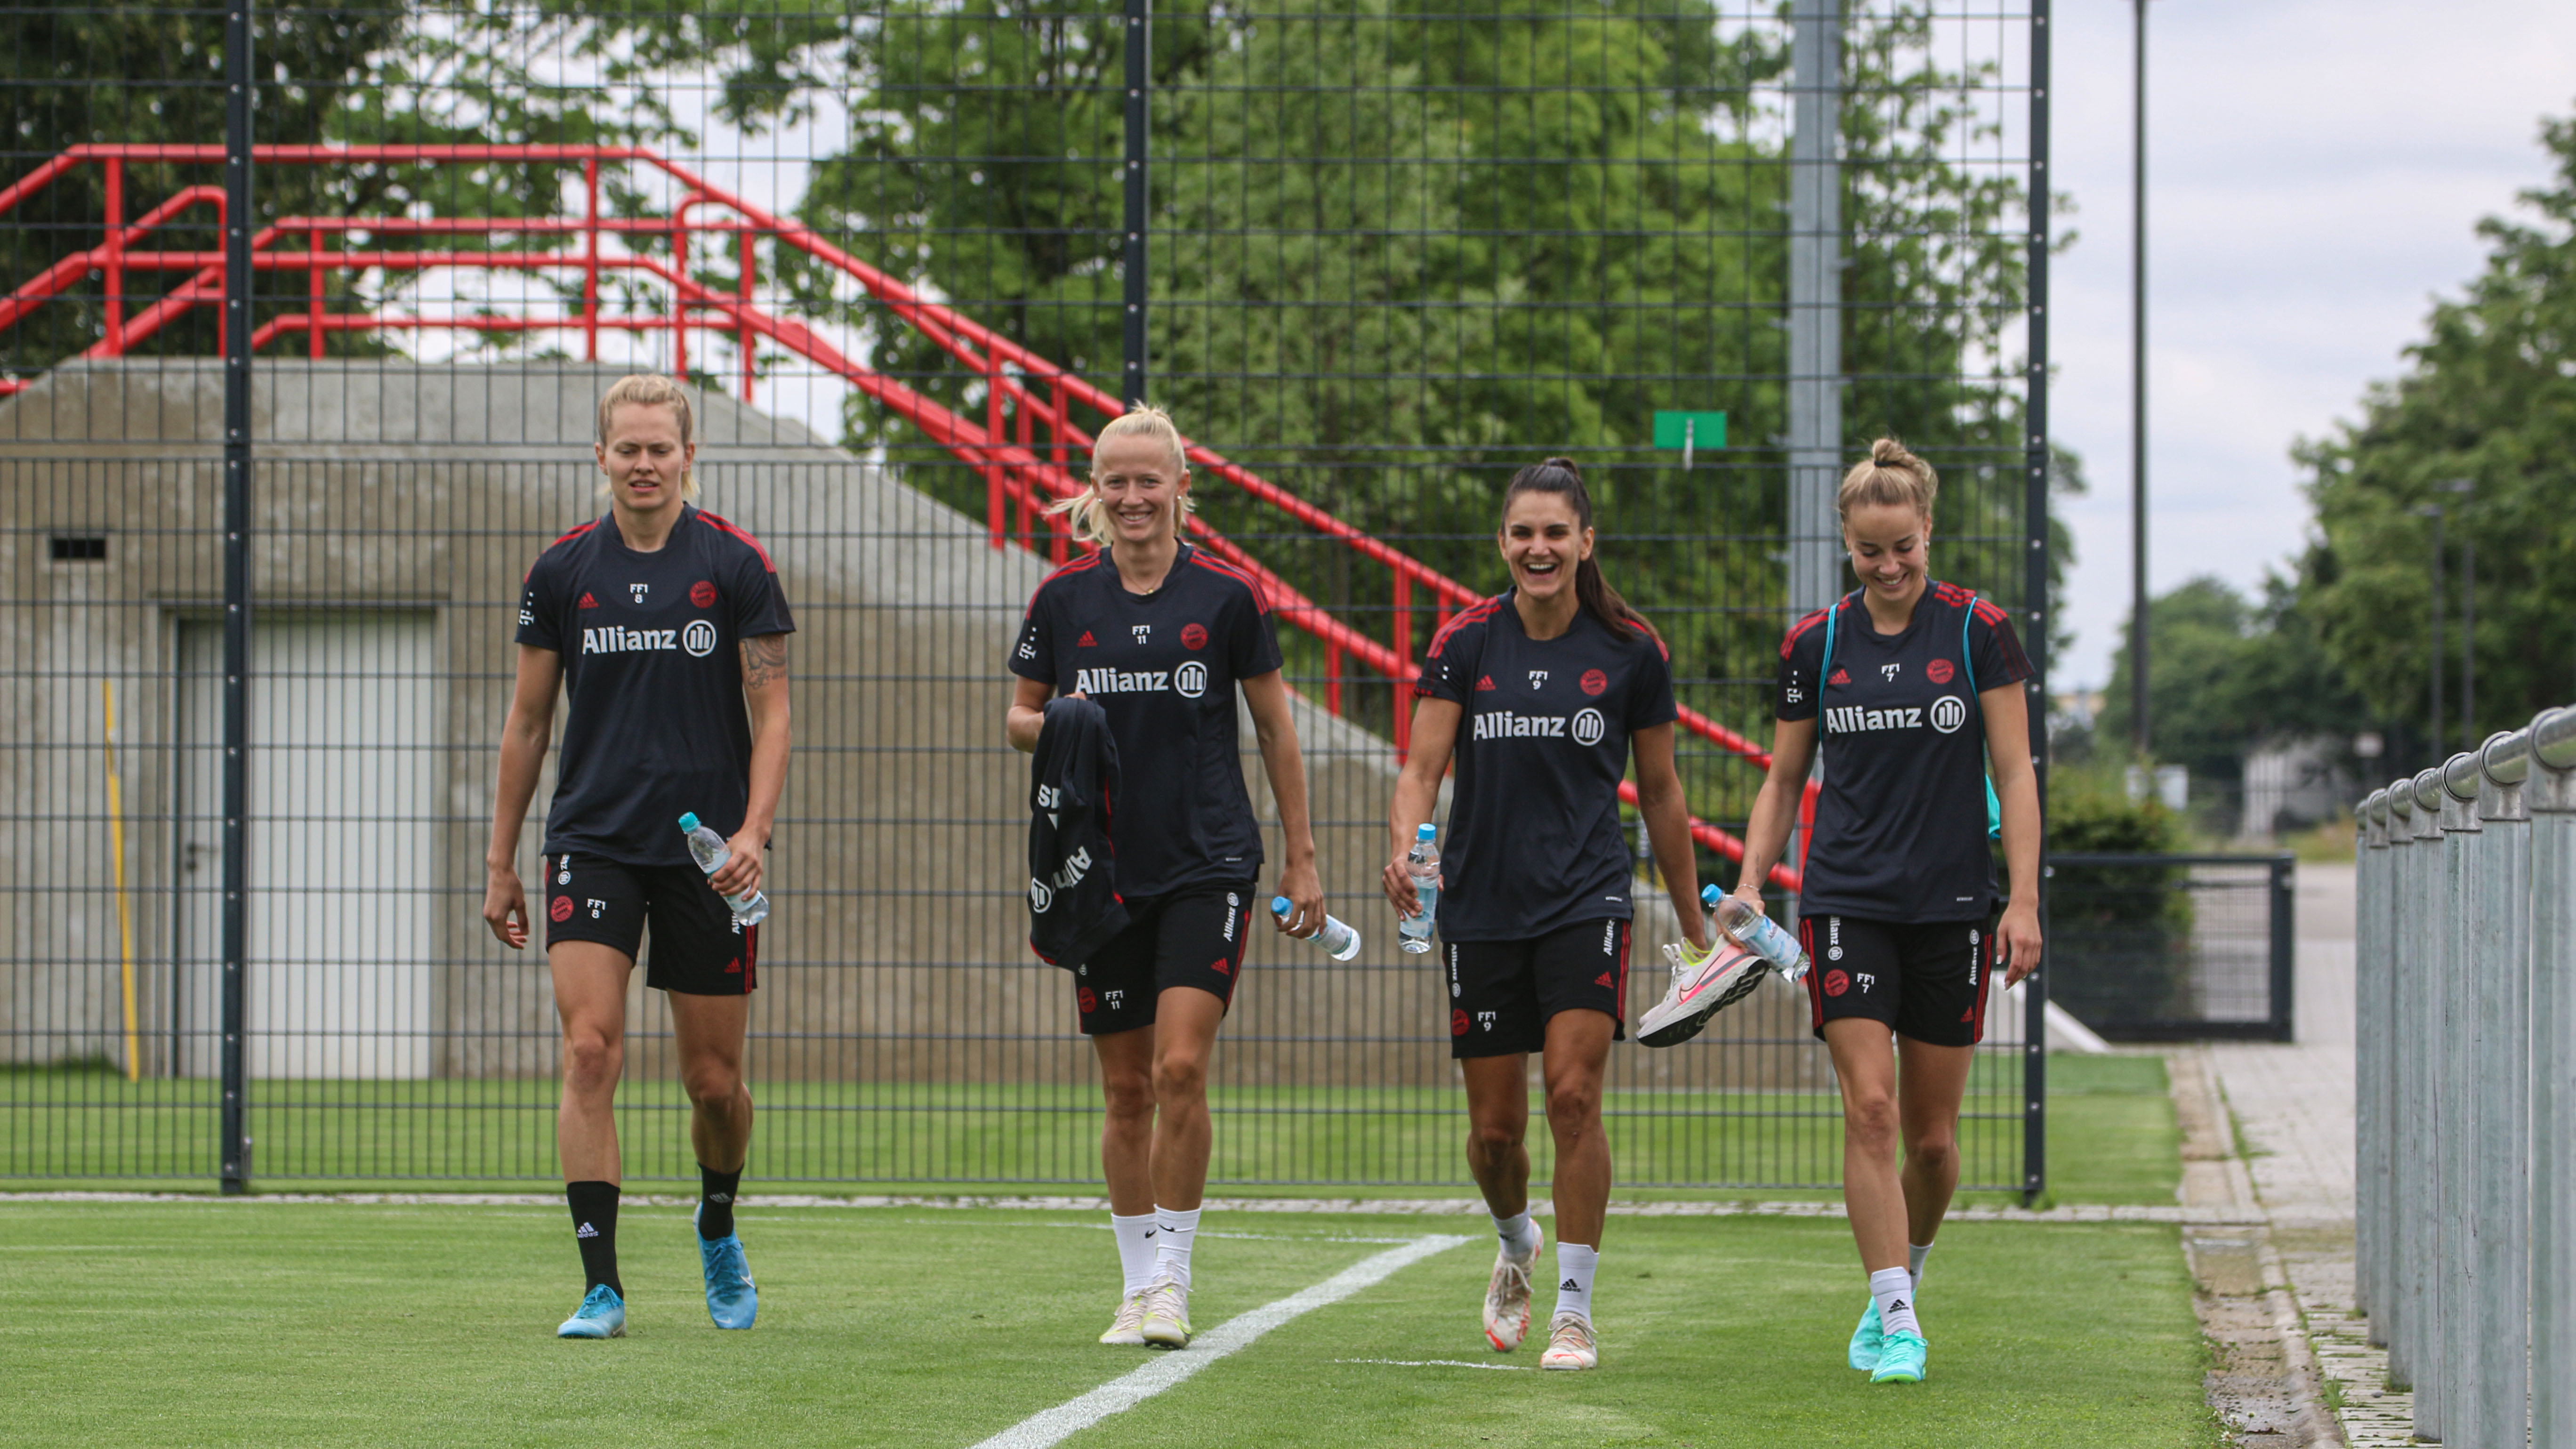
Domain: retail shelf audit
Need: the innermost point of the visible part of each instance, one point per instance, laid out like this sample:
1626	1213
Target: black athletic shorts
1192	937
698	950
1502	993
1926	980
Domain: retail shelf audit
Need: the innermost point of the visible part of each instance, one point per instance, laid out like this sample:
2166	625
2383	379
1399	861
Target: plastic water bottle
1422	863
709	850
1756	932
1338	939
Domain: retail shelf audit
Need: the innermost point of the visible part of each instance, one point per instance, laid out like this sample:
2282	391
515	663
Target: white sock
1894	1290
1173	1234
1574	1267
1519	1234
1135	1248
1915	1253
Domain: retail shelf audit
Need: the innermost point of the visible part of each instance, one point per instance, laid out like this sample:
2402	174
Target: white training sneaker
1570	1344
1167	1314
1507	1295
1128	1328
1704	984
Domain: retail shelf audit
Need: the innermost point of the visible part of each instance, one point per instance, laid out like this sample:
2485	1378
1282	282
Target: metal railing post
2454	1352
2418	969
2370	1068
2501	1223
2461	1416
233	1148
1135	198
2551	798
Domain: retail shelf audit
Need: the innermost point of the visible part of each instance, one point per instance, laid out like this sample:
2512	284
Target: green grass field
90	1128
267	1323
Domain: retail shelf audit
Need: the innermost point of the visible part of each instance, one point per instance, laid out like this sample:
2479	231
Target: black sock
594	1231
716	1193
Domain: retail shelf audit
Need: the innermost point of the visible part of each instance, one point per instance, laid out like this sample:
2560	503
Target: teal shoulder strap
1968	666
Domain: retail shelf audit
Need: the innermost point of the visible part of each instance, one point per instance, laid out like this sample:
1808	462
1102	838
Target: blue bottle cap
1279	905
1425	831
1709	895
689	821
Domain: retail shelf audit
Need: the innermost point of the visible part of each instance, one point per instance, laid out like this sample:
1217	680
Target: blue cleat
732	1301
1866	1341
602	1314
1900	1359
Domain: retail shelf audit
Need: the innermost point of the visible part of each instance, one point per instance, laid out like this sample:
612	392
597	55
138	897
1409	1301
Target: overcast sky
2315	172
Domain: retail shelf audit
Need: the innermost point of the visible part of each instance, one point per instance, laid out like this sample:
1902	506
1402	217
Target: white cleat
1128	1328
1167	1314
1704	984
1507	1295
1570	1344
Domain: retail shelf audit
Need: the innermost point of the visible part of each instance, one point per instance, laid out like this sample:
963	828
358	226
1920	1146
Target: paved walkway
2292	1106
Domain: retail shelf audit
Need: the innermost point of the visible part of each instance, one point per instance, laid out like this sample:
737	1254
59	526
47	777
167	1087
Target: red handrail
1023	392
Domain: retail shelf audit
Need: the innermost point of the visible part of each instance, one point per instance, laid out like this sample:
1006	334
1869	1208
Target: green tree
2228	675
2489	396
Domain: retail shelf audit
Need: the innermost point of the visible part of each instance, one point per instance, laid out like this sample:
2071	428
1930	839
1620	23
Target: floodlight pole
1815	318
233	1151
1140	84
2035	465
2139	734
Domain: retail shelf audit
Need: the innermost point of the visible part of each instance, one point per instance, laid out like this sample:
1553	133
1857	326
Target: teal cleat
732	1301
602	1314
1900	1359
1866	1341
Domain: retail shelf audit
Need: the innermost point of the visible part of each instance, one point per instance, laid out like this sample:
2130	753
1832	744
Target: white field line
1509	1368
1404	1207
1052	1426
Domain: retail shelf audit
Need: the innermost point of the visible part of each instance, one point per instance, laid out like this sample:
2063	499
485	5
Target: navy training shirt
651	646
1900	830
1164	666
1534	841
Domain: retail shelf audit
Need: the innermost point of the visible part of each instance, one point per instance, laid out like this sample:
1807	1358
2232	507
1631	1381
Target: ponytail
1593	592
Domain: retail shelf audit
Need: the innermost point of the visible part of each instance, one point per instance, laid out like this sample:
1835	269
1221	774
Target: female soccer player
1540	692
666	626
1898	905
1161	636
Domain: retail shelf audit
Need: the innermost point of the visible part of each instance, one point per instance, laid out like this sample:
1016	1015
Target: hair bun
1561	461
1889	453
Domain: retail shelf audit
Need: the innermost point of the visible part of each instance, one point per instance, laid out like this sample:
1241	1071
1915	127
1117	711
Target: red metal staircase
1027	445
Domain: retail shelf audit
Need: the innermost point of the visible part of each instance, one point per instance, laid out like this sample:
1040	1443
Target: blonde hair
652	390
1889	475
1090	520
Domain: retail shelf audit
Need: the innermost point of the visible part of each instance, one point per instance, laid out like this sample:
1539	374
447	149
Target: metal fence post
2284	947
2501	931
2034	1156
239	323
2551	797
2422	966
1139	229
2397	1196
2460	1416
2370	1067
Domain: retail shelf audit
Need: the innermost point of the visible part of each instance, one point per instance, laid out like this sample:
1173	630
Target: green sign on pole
1698	430
1689	432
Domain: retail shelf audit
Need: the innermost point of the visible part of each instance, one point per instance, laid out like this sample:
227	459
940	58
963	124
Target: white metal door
343	776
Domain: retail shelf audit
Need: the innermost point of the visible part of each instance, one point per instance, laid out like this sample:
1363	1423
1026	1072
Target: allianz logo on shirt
1042	892
1189	681
698	640
1584	726
1946	715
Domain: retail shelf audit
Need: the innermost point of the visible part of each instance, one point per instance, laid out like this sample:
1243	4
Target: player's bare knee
591	1063
1935	1152
1870	1122
1128	1097
1495	1140
711	1084
1574	1100
1180	1077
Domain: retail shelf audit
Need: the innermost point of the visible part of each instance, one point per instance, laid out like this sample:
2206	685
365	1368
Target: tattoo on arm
764	659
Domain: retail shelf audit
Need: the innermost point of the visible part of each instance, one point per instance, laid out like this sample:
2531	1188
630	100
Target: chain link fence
288	413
